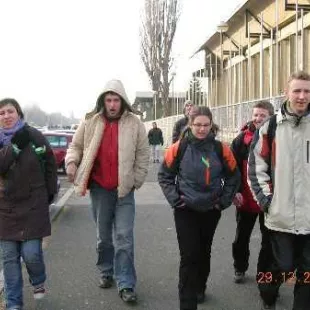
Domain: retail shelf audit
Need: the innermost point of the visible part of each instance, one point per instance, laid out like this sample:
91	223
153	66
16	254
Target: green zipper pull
205	161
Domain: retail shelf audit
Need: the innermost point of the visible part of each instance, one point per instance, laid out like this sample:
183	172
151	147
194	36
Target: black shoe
106	282
154	161
268	307
239	277
128	295
201	297
157	160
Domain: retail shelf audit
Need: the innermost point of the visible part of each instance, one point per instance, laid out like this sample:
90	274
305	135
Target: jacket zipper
308	142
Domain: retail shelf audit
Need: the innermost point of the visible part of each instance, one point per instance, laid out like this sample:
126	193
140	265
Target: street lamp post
155	103
222	28
173	74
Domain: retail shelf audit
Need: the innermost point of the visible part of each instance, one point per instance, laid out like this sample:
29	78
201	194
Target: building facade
253	53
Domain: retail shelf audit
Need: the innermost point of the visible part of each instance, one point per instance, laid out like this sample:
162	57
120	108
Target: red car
59	143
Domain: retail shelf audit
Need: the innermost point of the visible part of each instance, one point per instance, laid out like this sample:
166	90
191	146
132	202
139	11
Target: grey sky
60	53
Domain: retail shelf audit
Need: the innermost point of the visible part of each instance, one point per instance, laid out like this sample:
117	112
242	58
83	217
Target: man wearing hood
181	124
279	177
109	155
247	208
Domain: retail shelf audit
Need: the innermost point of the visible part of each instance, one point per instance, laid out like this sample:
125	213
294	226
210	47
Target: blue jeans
114	217
32	254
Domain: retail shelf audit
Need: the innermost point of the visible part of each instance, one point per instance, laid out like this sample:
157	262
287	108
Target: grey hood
115	86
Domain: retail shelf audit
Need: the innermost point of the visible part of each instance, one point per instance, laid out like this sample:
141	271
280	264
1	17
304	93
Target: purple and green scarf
7	134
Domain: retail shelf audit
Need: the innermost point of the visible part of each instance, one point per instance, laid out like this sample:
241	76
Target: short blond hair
299	75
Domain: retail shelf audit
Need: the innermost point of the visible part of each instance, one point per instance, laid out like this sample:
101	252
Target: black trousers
291	255
240	247
195	231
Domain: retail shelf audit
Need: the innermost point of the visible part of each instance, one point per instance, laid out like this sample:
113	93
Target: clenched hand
71	171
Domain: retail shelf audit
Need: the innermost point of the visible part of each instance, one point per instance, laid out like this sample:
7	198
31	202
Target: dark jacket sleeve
237	148
149	136
51	172
232	178
167	177
176	131
50	168
7	158
161	138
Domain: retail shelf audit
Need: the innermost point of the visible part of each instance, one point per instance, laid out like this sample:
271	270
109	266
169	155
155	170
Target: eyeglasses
201	125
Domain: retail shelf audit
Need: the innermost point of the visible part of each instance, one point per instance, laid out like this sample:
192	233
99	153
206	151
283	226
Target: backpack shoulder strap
271	131
180	153
218	147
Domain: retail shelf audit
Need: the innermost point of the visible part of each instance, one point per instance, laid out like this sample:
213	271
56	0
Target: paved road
64	185
72	276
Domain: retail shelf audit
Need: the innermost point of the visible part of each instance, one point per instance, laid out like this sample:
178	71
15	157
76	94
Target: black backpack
271	131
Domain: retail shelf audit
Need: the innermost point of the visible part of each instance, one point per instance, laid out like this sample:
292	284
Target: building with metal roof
253	53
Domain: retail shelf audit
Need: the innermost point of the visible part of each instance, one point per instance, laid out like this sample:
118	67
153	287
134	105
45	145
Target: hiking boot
128	295
39	292
201	297
106	282
239	277
268	307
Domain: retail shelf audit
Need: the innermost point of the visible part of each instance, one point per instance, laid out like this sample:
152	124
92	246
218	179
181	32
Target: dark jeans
195	231
291	254
240	247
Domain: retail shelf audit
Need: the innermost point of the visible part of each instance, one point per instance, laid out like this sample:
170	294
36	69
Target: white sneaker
39	292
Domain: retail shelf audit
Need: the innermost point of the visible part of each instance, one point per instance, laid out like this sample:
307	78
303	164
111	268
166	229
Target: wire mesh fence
229	119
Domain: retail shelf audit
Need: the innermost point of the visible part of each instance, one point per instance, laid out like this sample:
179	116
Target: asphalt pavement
70	257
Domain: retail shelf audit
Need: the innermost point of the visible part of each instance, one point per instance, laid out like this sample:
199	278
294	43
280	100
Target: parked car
59	143
65	131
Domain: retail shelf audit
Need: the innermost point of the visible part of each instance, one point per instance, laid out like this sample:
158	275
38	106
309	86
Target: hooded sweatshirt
113	156
105	170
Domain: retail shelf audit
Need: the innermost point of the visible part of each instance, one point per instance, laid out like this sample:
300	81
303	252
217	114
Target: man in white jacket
109	155
279	176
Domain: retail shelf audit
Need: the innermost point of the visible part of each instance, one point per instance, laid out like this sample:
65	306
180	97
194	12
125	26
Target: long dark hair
14	103
203	111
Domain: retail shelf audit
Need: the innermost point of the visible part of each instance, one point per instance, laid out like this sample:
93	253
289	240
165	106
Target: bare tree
159	22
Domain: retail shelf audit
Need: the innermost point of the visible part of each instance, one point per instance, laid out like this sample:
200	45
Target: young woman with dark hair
199	178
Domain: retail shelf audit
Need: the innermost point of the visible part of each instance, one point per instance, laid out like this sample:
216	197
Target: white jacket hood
115	86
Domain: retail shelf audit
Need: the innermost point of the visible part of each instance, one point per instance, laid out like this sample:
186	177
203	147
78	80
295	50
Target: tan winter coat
133	149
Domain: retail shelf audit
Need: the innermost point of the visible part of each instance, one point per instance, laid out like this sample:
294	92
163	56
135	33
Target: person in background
247	209
109	155
181	124
279	177
199	177
156	140
28	178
